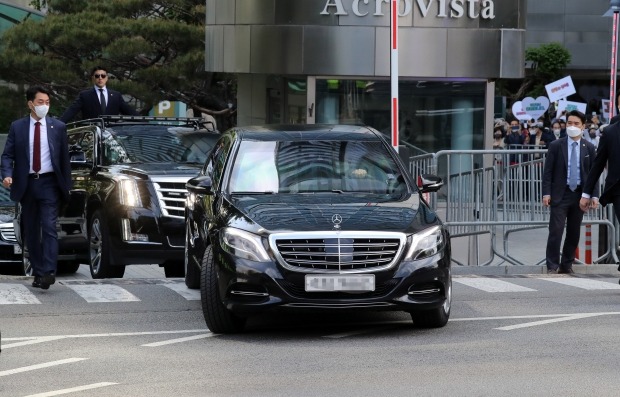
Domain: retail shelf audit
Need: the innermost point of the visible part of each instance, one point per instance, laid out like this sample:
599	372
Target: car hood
320	212
171	169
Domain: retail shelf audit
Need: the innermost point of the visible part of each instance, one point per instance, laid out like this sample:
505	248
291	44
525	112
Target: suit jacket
608	152
555	173
15	161
88	104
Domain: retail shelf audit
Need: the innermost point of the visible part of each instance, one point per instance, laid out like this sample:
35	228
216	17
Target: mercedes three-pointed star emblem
336	220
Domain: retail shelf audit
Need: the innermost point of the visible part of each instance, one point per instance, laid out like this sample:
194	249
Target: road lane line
544	322
179	340
491	284
73	389
584	283
40	366
104	293
17	294
358	332
181	289
33	341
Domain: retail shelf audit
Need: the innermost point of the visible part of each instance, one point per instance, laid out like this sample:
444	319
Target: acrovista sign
473	9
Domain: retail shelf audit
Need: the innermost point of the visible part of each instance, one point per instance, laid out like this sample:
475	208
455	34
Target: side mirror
428	183
200	185
77	155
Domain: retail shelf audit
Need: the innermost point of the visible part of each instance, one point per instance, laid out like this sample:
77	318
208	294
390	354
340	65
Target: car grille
8	232
338	252
171	194
300	292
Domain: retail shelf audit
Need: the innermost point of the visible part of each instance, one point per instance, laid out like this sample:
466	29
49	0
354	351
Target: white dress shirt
46	160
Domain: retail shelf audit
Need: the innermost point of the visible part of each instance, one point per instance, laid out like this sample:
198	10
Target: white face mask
557	131
41	110
573	131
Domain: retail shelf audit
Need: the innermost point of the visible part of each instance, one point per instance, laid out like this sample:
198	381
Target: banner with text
560	89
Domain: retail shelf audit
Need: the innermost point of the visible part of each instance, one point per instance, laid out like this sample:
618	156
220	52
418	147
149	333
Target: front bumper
250	287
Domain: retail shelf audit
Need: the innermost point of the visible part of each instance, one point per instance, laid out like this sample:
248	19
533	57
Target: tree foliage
548	62
152	51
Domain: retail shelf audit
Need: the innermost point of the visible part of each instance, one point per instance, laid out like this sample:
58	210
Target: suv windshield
156	144
315	166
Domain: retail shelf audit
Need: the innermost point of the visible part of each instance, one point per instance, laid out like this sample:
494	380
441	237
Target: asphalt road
513	336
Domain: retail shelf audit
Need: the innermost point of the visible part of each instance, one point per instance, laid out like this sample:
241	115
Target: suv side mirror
77	155
200	185
428	183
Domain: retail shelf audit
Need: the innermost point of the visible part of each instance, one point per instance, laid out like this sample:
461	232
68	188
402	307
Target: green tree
153	51
548	64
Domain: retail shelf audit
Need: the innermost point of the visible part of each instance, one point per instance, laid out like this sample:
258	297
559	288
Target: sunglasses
103	76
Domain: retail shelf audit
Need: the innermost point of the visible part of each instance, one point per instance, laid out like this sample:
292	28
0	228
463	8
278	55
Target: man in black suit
98	101
36	167
569	159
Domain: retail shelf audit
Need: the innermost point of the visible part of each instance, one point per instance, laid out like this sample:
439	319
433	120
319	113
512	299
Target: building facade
328	61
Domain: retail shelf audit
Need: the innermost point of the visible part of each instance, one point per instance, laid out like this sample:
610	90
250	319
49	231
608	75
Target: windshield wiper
256	193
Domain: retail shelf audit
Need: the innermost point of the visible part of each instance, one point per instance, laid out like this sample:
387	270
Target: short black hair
32	92
577	113
93	70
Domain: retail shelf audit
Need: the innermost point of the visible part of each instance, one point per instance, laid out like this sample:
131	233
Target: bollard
588	244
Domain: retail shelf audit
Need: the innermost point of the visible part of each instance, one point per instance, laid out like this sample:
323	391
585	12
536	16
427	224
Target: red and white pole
394	70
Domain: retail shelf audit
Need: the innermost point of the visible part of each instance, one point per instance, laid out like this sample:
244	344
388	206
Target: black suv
313	217
128	197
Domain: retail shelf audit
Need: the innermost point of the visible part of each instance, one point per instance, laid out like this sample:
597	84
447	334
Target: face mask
41	110
592	134
532	131
557	131
514	128
573	131
539	124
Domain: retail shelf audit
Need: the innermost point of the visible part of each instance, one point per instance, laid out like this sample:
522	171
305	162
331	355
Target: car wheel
435	318
174	269
99	253
192	273
68	267
219	319
26	268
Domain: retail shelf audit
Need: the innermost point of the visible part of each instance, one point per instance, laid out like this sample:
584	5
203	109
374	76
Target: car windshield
156	144
315	166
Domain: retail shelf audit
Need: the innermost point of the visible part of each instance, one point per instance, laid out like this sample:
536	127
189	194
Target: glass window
433	115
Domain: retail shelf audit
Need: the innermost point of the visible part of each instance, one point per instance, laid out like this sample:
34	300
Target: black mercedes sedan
313	217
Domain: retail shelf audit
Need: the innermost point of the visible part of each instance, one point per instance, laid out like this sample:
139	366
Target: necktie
574	168
102	100
36	148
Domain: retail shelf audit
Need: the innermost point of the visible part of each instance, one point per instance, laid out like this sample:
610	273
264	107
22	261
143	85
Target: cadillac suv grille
338	252
171	194
8	232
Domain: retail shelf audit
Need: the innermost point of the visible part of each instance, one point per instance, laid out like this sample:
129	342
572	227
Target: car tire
26	267
192	273
219	319
99	249
435	318
174	269
67	267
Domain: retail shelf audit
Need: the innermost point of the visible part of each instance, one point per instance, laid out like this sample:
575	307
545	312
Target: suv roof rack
195	122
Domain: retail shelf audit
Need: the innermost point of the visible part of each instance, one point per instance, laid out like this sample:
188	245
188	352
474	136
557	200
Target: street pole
394	70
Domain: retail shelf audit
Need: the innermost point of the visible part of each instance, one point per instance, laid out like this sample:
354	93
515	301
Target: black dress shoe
566	271
552	271
47	280
37	282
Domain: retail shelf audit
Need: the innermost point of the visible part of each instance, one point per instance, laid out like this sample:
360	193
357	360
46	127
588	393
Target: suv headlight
243	245
424	244
130	196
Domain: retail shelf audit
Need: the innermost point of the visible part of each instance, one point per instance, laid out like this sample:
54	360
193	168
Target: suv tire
435	318
192	273
219	319
99	250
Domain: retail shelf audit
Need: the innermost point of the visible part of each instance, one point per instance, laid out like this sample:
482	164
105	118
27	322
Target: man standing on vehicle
98	101
35	165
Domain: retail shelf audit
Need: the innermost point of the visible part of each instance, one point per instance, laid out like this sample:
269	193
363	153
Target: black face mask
592	134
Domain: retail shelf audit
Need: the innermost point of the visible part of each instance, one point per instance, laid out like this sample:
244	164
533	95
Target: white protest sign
518	112
535	107
560	89
568	106
606	108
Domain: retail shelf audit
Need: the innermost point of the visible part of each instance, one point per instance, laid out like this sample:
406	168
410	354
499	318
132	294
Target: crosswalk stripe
181	289
104	293
583	283
491	284
16	294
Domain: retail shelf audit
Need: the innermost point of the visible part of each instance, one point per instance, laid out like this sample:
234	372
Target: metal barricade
496	193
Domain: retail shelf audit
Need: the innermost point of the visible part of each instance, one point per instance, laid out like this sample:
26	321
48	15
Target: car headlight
243	245
424	244
130	196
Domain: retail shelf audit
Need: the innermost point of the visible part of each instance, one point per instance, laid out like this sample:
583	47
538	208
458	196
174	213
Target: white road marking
544	322
40	366
358	332
179	340
17	294
583	283
181	289
491	284
73	389
104	293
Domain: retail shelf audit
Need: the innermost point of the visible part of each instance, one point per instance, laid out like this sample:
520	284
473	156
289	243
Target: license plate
17	249
351	282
